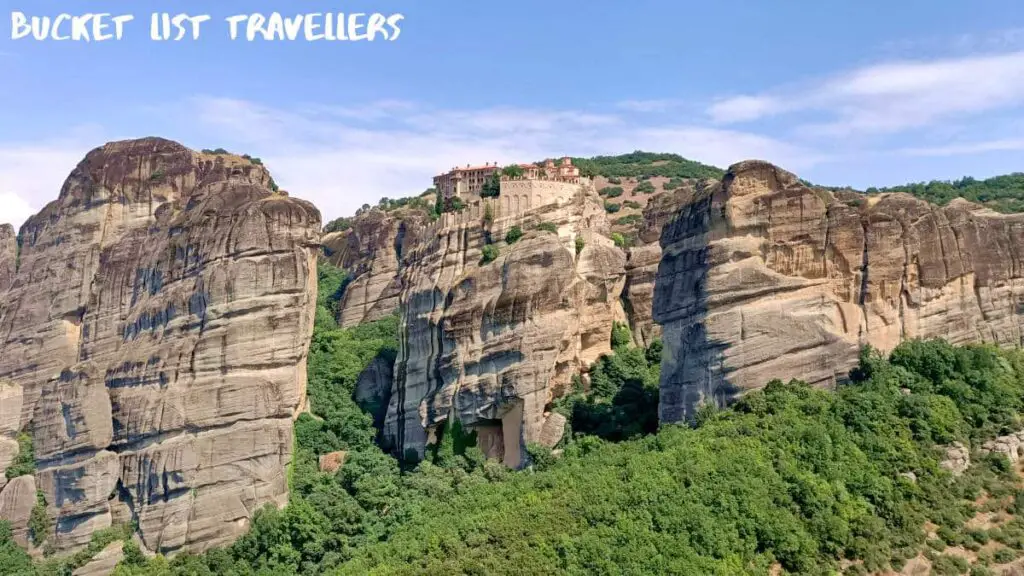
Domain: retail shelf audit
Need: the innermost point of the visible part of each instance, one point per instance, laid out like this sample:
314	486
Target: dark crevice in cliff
904	295
828	239
862	297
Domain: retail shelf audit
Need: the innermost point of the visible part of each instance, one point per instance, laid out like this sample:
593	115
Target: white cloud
31	174
963	149
891	97
340	162
341	157
14	210
645	106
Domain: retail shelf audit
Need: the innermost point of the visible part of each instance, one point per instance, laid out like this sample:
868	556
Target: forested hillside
805	479
637	164
1001	193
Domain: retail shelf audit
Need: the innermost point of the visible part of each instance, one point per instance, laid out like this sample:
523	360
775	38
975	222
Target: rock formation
371	251
8	256
643	260
155	335
490	344
763	277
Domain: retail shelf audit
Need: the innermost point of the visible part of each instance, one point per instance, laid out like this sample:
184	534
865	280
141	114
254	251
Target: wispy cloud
890	97
652	106
966	148
340	162
31	174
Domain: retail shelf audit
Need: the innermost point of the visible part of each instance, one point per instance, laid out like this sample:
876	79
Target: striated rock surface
762	277
644	258
491	344
371	251
16	502
103	563
157	330
8	256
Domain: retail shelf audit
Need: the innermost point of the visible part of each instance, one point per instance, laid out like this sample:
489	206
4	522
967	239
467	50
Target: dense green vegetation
673	183
25	461
789	475
612	207
644	187
548	227
513	235
611	191
489	253
1001	193
648	164
629	220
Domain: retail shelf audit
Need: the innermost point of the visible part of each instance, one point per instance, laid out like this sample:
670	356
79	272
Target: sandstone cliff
763	277
643	260
8	256
490	344
154	338
371	251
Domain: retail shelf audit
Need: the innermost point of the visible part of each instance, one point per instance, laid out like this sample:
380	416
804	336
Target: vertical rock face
157	330
491	344
8	256
371	251
762	277
643	260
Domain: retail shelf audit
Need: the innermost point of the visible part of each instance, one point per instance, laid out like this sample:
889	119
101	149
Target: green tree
492	186
513	171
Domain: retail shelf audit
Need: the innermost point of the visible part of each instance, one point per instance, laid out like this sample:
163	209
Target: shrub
614	180
950	566
612	207
618	239
673	183
548	227
454	204
488	253
514	234
25	462
38	521
644	187
1004	555
611	191
621	335
629	220
338	225
488	213
579	245
541	457
631	204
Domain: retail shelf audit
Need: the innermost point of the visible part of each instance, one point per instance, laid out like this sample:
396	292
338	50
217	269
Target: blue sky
861	93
